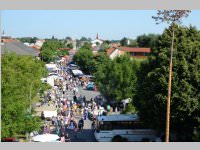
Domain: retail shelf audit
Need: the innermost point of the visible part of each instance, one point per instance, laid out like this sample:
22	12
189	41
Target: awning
46	138
77	72
49	114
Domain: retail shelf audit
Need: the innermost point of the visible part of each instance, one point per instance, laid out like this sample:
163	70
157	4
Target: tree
147	40
133	43
104	47
116	78
151	98
124	41
62	52
49	50
173	17
84	59
68	38
20	75
107	42
87	46
70	45
83	39
99	59
28	39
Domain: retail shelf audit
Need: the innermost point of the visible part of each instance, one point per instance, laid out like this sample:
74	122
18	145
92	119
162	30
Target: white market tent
46	138
49	114
77	72
50	66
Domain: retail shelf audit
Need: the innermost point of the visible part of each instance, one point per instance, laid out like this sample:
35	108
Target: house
39	43
134	52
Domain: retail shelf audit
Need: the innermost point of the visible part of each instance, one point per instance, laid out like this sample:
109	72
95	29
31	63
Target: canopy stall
77	72
49	114
46	138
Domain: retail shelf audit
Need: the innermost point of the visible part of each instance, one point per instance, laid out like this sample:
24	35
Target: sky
109	24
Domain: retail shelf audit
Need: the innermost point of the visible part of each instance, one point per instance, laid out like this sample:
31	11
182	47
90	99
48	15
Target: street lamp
30	96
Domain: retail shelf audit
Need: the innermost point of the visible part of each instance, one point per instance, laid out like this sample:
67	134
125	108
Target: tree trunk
169	88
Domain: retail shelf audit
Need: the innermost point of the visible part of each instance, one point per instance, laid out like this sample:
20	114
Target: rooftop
135	49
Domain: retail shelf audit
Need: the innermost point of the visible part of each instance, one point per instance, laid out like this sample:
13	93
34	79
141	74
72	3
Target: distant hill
18	47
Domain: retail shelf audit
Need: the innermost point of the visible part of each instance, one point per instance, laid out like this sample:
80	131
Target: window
119	125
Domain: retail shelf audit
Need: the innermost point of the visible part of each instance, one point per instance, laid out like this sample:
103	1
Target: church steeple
97	37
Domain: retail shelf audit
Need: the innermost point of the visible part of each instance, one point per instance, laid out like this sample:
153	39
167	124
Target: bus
123	126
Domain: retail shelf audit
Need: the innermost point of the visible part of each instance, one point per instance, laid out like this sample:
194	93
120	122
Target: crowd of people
68	109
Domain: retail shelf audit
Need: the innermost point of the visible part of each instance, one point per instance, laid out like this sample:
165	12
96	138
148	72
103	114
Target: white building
97	41
39	43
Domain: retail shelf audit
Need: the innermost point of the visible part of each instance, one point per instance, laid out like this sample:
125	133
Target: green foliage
70	45
130	109
87	46
151	98
133	43
20	75
124	41
116	78
43	88
62	53
149	40
104	47
49	50
84	59
28	39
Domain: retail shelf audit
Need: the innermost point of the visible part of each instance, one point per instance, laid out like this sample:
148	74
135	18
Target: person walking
62	138
81	124
67	138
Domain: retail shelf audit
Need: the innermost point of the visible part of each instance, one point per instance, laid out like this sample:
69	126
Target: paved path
85	135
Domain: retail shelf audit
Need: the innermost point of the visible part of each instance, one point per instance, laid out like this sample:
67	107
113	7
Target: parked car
90	86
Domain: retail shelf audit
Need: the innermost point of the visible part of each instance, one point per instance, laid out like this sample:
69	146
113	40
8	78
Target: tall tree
173	17
20	76
151	98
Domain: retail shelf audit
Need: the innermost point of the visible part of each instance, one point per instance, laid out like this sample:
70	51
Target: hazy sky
110	24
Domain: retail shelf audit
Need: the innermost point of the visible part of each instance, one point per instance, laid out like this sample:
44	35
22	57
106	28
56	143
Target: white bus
123	126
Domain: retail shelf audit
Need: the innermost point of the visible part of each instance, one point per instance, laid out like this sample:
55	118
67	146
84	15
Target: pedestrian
93	125
42	115
53	120
84	99
81	124
67	138
85	115
62	138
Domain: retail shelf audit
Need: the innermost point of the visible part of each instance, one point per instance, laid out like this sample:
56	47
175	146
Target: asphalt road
85	135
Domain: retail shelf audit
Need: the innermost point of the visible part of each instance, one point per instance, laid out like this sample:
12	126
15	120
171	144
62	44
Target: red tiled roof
8	40
110	50
133	49
36	47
